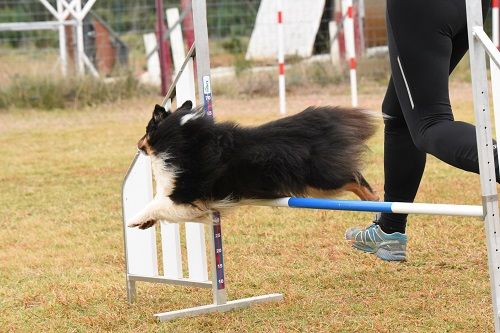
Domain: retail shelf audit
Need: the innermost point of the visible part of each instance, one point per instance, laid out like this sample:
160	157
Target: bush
49	93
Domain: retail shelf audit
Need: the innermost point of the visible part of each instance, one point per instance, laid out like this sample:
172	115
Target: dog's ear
159	113
187	105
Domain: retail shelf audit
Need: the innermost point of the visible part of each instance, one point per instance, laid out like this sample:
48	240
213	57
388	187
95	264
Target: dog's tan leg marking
162	208
319	193
362	192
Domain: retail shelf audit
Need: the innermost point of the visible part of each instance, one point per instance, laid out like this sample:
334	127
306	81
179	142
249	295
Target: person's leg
403	167
421	61
403	163
427	39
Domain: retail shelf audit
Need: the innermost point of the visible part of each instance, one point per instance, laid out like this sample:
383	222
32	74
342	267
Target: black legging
427	39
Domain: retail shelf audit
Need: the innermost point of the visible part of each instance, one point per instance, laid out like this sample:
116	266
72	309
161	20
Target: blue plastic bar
352	205
373	206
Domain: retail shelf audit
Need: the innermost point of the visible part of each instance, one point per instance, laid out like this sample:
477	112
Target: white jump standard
140	245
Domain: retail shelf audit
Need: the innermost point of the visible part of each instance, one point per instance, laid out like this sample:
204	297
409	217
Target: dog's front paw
142	224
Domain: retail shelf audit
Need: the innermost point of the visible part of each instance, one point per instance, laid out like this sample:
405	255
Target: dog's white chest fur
162	208
164	175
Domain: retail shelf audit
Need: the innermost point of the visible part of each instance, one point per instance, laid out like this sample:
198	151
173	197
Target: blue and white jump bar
375	206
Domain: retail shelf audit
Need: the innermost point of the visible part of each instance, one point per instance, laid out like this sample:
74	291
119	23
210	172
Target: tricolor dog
201	166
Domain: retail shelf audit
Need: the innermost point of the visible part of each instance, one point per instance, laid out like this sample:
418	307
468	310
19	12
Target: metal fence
113	34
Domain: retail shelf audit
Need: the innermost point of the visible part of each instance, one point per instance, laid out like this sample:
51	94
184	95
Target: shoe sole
381	253
390	255
362	247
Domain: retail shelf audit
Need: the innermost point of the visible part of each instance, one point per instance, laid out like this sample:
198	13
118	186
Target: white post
62	39
186	83
185	90
152	74
80	52
140	245
334	44
485	151
281	58
171	247
347	12
495	70
361	24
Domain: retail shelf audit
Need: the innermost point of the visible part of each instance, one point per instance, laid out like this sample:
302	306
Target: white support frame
74	9
479	44
30	26
140	245
185	90
495	70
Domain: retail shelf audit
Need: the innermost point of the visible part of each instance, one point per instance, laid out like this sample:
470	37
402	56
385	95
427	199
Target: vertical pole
205	97
361	27
495	16
340	28
139	245
281	59
131	291
485	151
187	23
62	39
186	91
334	45
162	49
153	60
347	12
79	39
494	69
170	232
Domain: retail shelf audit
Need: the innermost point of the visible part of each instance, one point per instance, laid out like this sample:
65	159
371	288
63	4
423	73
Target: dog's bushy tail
344	132
360	121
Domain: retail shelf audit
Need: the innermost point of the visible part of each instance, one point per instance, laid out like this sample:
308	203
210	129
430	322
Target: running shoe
390	247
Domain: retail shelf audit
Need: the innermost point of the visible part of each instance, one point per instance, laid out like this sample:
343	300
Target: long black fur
320	147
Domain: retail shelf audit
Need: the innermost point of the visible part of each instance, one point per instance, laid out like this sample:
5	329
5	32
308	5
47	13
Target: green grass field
61	246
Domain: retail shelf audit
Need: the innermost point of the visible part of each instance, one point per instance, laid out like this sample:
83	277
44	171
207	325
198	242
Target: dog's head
156	125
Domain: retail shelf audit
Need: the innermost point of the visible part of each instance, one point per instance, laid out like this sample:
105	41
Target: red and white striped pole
347	12
281	58
495	4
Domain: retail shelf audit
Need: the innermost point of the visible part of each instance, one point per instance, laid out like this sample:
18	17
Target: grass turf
61	246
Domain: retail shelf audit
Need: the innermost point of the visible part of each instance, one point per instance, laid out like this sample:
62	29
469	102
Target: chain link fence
34	47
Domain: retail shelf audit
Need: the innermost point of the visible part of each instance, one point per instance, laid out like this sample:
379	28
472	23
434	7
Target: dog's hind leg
363	192
361	188
163	208
358	186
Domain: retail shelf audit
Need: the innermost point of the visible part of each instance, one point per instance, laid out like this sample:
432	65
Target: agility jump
140	245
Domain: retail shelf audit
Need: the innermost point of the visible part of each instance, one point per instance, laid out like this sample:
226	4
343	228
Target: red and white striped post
281	58
495	16
187	23
163	48
347	13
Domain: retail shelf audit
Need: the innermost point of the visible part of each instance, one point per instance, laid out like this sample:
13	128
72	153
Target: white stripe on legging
406	83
